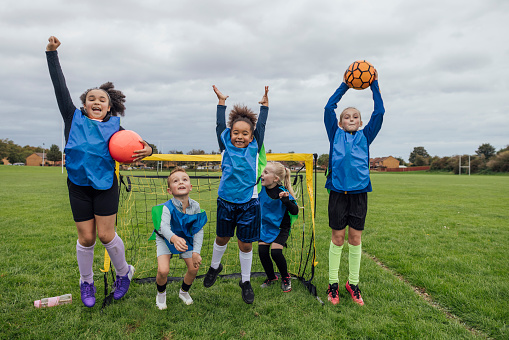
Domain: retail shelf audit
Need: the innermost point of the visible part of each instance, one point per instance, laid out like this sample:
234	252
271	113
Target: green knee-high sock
334	259
354	263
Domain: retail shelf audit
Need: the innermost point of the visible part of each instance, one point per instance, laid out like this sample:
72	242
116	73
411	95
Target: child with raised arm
277	201
180	232
349	182
237	203
91	179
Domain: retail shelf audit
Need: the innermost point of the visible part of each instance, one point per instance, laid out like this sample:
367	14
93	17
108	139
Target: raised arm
259	132
64	101
375	122
330	119
220	116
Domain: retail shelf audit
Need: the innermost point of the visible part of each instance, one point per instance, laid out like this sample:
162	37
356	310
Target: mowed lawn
446	235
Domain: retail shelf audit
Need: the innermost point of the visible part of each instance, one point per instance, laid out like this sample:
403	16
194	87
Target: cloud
442	66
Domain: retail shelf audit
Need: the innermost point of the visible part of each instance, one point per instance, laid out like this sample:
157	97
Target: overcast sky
443	68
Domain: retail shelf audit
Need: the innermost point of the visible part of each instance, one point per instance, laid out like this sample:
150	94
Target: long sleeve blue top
351	157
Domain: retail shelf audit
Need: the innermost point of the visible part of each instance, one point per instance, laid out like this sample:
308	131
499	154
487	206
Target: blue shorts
245	217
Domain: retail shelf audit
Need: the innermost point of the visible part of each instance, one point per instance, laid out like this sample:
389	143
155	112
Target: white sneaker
184	296
161	300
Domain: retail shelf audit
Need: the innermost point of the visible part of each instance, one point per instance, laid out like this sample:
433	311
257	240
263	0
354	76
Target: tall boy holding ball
348	181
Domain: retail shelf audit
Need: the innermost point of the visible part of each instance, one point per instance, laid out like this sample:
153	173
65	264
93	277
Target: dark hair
244	114
116	97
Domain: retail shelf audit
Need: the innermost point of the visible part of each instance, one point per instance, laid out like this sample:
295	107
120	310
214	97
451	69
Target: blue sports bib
239	167
87	157
272	211
350	161
182	225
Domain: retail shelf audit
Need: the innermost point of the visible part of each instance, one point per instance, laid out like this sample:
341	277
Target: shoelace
89	289
332	291
356	291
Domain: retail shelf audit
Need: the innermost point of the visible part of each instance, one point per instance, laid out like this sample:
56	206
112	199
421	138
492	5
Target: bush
499	163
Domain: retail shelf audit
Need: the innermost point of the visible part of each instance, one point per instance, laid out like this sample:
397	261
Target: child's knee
162	272
193	270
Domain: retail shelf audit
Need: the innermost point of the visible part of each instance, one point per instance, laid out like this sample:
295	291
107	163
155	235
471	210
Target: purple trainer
87	293
122	283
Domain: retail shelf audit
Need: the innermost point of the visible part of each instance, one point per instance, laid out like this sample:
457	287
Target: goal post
140	190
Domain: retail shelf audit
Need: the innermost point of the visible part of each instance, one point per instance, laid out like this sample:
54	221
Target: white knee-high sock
246	259
85	256
217	255
116	251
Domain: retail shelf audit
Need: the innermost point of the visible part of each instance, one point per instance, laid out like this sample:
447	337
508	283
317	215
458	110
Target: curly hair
244	114
116	97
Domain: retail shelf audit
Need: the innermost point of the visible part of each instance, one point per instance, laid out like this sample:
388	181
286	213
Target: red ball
123	144
359	75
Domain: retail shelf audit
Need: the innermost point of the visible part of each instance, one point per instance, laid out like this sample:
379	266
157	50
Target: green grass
445	234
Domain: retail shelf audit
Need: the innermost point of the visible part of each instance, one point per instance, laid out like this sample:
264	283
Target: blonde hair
284	176
177	169
348	108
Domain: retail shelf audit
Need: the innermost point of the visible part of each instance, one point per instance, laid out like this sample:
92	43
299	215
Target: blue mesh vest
87	158
184	225
350	161
272	211
239	167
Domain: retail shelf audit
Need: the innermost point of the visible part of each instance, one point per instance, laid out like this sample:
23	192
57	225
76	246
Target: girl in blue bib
278	209
91	180
238	208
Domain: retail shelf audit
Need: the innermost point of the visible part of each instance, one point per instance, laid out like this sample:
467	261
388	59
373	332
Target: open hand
145	152
265	98
222	98
196	260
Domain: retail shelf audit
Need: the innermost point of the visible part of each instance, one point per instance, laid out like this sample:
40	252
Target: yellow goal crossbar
307	158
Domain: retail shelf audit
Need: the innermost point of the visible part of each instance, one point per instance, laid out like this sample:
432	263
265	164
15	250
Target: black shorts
347	210
86	202
282	237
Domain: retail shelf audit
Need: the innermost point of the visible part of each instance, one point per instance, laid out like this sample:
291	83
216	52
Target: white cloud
442	66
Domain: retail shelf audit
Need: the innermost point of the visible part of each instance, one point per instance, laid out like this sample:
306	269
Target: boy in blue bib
180	231
348	181
238	208
91	180
278	209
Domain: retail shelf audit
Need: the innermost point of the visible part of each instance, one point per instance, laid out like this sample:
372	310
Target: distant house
5	161
297	166
35	159
383	163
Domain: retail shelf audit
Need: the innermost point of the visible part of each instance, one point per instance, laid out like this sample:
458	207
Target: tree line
486	159
18	154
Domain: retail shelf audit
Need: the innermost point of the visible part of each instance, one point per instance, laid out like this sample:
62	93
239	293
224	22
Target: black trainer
247	291
286	284
211	276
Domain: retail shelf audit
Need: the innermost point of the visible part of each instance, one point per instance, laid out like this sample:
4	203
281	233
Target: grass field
435	266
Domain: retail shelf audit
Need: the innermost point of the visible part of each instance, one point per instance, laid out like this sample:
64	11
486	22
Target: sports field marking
426	297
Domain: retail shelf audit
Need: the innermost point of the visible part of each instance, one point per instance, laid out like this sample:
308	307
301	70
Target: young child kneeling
180	232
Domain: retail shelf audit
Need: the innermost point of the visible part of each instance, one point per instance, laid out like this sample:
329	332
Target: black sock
280	260
263	252
162	288
185	287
